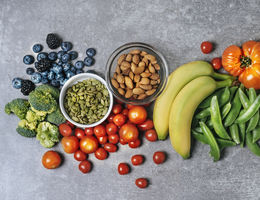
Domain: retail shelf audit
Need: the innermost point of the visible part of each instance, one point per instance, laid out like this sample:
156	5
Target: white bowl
72	81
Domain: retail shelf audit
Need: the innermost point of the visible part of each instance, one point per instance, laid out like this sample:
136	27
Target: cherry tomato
79	133
114	139
137	159
123	168
110	147
102	139
129	132
70	124
118	101
151	135
119	119
88	144
129	106
216	63
121	140
85	166
125	112
89	131
134	144
51	160
70	144
148	124
111	129
100	130
137	114
206	47
110	118
141	182
117	109
80	155
65	129
101	153
159	157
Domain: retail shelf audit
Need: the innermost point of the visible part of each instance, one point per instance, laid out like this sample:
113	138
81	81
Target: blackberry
43	65
53	41
27	87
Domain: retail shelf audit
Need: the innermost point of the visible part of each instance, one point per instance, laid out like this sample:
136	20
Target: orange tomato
137	114
128	132
70	144
88	144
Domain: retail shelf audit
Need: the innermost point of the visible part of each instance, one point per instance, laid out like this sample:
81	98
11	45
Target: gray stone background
176	28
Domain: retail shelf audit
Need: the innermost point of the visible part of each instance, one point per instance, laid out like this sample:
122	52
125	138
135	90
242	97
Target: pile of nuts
136	74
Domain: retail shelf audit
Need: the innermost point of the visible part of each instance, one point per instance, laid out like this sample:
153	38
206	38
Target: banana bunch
173	111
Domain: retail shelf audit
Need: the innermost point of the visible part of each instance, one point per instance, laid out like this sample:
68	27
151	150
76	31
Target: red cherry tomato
89	131
79	133
125	112
206	47
129	132
101	153
137	159
80	155
123	168
137	114
141	183
151	135
159	157
70	124
110	118
70	144
114	139
51	160
102	139
88	144
129	106
121	140
119	119
100	130
134	144
148	124
111	129
65	130
110	147
117	109
85	166
216	63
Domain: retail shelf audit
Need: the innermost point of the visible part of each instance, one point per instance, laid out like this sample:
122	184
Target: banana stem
222	76
225	83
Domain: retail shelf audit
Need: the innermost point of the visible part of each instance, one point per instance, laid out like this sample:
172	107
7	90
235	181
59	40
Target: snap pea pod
242	131
206	102
234	133
232	92
198	129
256	134
200	137
216	119
253	108
209	124
253	147
254	120
225	110
243	99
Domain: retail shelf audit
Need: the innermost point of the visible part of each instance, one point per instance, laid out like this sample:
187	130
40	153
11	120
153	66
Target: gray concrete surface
176	28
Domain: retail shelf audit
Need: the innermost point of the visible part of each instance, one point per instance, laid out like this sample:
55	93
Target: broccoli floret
42	101
47	134
56	117
40	113
17	106
45	88
32	116
26	129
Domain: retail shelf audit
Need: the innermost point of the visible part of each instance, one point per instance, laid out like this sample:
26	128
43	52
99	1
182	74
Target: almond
128	93
125	64
153	82
129	82
128	57
115	75
143	53
137	78
122	85
141	64
150	57
141	96
136	59
145	81
157	67
151	68
131	75
135	51
114	83
120	78
118	70
139	70
146	87
121	59
138	91
133	66
150	92
145	60
154	76
126	72
158	81
145	74
121	91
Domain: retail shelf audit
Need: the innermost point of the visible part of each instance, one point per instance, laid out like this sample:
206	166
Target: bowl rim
123	47
73	80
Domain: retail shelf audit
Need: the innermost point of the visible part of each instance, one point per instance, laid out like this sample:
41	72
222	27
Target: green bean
216	119
206	102
243	98
253	147
200	137
254	120
256	134
225	110
234	133
214	152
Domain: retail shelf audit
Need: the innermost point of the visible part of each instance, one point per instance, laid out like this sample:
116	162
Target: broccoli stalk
17	106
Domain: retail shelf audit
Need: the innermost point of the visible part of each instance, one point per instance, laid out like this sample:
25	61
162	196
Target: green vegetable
32	116
200	137
45	88
234	132
242	131
56	117
253	147
232	92
243	99
26	129
216	119
225	110
206	102
42	101
17	106
214	152
256	134
254	120
47	134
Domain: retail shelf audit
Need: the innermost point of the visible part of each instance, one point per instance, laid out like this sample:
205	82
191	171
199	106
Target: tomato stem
245	61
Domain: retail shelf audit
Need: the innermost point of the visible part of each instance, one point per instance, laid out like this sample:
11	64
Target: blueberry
59	76
28	59
57	69
17	83
69	74
66	67
45	74
65	58
66	46
60	63
45	80
51	75
91	71
36	78
73	69
37	48
63	81
79	71
91	52
29	71
79	64
52	56
55	83
42	55
89	61
60	54
73	55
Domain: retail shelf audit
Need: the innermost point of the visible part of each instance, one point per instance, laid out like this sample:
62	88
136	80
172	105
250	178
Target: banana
183	108
176	81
